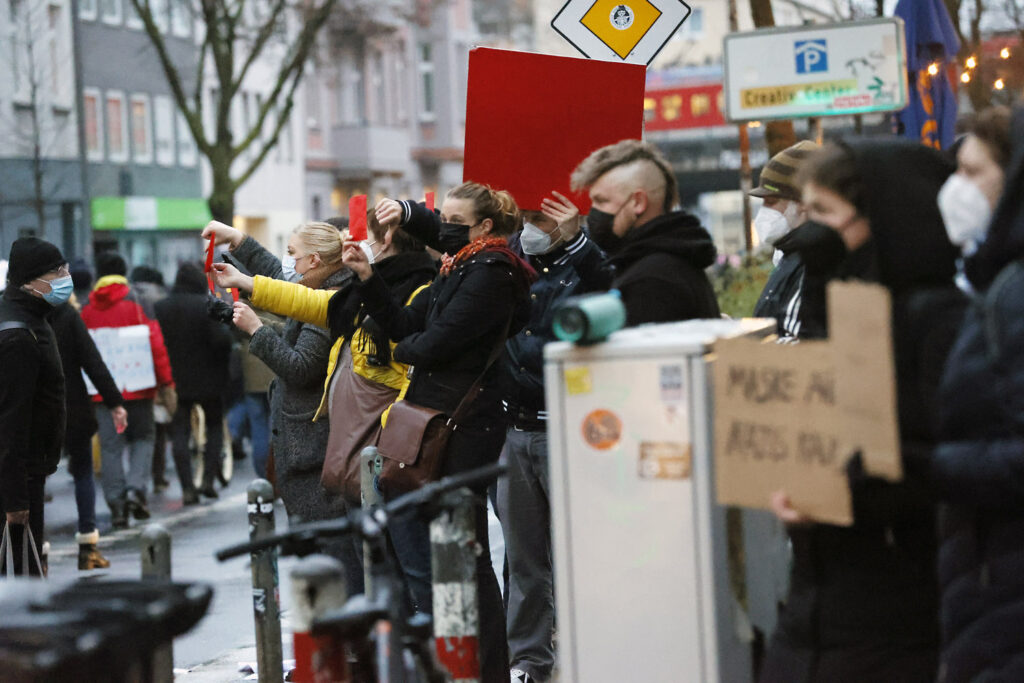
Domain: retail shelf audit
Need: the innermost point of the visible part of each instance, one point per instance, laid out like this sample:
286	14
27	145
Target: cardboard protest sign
789	416
127	354
532	118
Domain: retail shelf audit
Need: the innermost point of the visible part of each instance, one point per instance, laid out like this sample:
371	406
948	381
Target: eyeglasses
61	271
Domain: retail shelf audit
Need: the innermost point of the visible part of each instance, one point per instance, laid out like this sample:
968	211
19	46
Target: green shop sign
149	213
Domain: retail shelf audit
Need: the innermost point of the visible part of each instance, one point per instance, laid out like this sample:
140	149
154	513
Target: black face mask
453	237
599	224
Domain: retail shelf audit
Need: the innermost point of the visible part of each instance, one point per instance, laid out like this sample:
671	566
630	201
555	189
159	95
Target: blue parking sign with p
811	56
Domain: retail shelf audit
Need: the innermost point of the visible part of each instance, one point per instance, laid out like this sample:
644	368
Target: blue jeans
254	411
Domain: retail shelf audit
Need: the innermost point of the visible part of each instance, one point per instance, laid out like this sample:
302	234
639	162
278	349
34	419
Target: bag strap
17	325
467	400
29	541
5	544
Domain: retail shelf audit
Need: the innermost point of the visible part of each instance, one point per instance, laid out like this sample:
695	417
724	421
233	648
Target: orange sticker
602	429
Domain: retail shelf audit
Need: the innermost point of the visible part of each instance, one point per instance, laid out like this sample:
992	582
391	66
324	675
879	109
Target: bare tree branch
282	120
266	32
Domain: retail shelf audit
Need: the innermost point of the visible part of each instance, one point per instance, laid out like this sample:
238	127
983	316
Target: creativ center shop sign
852	67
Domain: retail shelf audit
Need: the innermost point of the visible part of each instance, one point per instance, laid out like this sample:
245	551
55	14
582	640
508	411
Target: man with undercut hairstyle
659	254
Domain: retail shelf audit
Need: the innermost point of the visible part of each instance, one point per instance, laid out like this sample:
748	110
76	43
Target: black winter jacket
32	406
450	329
198	346
863	599
574	268
978	468
660	267
78	352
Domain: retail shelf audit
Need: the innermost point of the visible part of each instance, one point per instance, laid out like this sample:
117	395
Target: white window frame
122	156
165	103
137	156
132	19
116	18
88	10
181	28
422	69
187	154
97	154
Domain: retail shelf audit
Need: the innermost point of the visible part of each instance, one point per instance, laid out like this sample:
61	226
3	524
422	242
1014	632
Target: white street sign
631	31
823	70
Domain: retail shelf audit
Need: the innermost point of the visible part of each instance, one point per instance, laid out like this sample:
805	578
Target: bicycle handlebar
301	534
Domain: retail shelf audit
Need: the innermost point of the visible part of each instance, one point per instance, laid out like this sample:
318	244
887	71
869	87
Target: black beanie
110	263
30	258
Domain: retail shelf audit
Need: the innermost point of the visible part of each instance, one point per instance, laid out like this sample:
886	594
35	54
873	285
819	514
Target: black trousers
181	429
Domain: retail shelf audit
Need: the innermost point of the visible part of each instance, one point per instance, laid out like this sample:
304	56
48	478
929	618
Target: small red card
357	218
429	200
209	257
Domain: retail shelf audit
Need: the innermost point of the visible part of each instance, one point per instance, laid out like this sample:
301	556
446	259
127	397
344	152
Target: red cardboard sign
429	201
531	118
357	218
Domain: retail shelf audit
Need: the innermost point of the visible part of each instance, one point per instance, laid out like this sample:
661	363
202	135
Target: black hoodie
661	271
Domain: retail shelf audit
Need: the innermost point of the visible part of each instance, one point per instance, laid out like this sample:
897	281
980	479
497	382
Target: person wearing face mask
968	198
659	255
780	214
863	599
299	356
567	264
448	333
977	468
32	406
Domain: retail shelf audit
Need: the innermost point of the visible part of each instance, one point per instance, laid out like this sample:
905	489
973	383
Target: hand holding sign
228	276
357	218
355	260
222	234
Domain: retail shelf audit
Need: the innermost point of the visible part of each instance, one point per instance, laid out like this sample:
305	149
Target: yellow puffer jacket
310	306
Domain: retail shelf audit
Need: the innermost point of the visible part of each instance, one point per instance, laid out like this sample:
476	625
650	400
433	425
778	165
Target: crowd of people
449	311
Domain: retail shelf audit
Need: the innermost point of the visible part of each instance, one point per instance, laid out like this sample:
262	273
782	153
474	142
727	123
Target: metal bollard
155	547
369	467
266	602
318	585
453	553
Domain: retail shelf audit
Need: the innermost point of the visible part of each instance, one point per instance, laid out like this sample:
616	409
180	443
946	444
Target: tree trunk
778	135
222	196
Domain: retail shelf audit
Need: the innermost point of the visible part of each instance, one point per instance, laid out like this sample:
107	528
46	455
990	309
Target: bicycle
390	645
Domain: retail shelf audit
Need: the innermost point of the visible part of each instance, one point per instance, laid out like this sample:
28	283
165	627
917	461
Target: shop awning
149	213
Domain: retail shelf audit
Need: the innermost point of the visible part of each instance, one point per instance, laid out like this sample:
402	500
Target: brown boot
89	556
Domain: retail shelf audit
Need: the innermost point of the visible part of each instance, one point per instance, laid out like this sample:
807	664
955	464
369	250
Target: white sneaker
520	676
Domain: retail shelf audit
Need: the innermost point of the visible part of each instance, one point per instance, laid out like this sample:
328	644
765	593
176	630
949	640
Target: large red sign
698	106
531	118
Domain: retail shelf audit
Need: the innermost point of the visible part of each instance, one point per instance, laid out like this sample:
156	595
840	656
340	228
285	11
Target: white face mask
965	211
536	241
367	248
770	225
288	267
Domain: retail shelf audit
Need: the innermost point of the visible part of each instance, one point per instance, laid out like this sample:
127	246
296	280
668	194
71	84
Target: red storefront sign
699	106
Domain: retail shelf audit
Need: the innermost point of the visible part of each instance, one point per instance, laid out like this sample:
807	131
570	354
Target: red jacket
109	307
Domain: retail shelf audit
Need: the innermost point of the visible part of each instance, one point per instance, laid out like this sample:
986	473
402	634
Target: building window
117	124
93	116
426	69
60	63
87	10
693	27
186	143
142	135
131	17
163	119
111	10
181	18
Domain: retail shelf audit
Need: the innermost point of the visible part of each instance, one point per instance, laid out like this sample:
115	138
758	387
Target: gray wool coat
298	356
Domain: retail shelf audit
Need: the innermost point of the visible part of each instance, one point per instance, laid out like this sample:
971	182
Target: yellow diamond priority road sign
631	31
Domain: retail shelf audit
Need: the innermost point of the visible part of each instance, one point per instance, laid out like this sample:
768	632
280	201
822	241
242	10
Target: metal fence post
318	585
453	554
266	601
155	546
368	469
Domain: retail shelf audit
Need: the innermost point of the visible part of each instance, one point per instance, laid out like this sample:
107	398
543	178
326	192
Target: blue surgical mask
60	291
288	267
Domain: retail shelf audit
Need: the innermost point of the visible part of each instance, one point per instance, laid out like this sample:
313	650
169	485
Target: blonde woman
298	355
